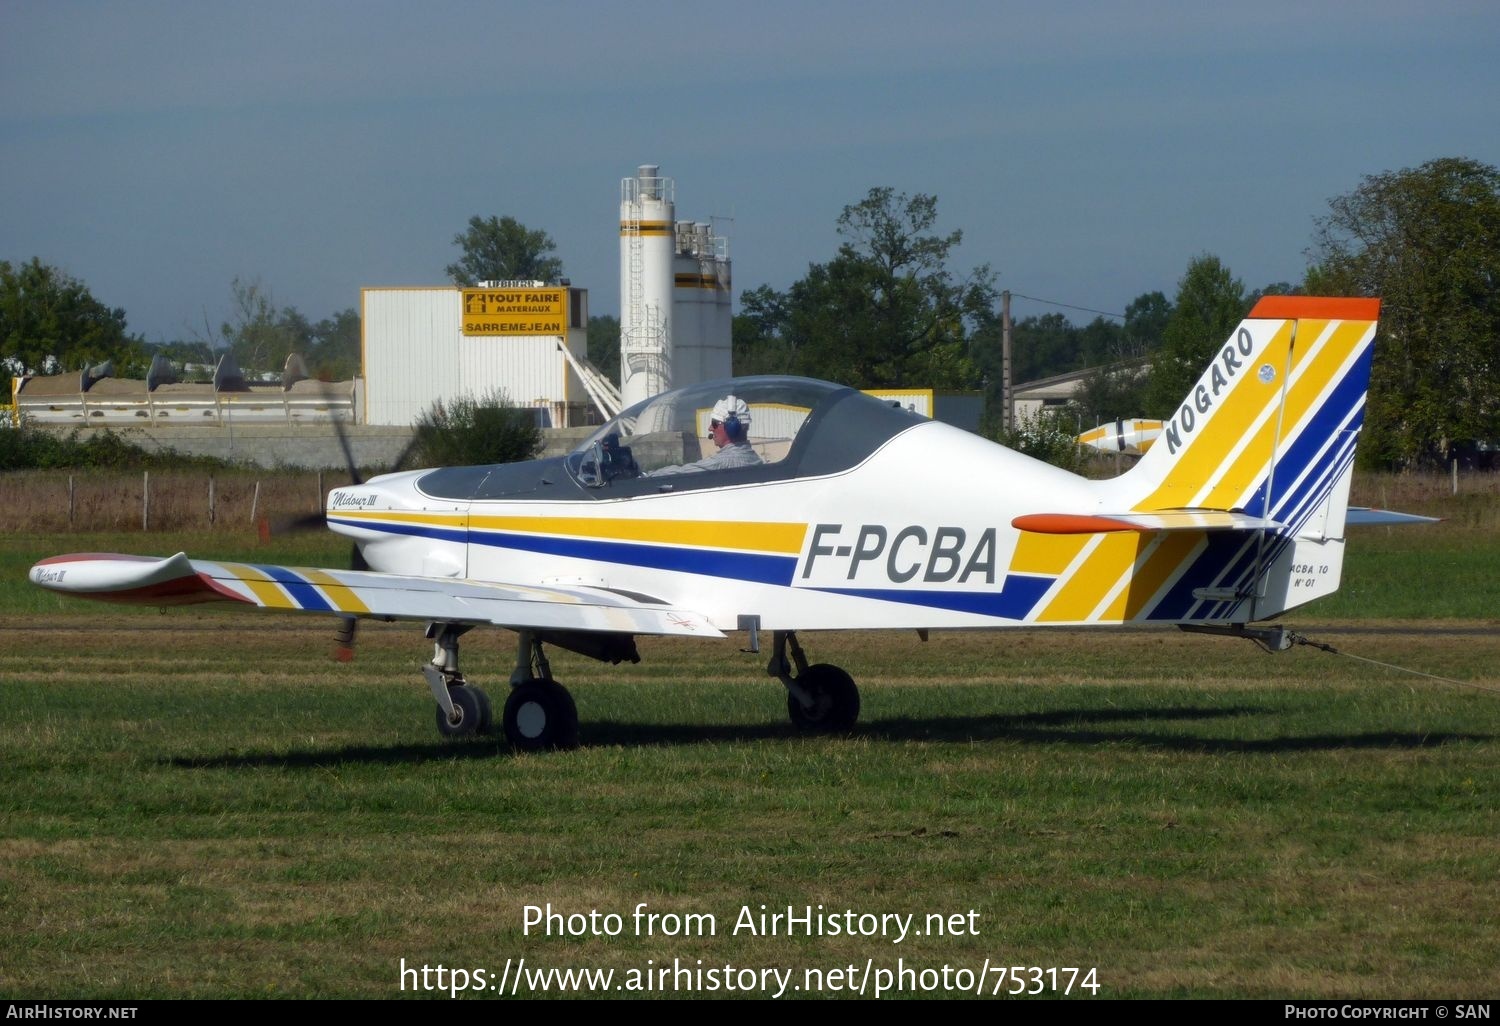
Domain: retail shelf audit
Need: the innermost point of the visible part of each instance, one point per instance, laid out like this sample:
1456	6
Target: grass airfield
201	804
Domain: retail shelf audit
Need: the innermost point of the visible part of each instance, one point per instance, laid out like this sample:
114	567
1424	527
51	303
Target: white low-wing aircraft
856	515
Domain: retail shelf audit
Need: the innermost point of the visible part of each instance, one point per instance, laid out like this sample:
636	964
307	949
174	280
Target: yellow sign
532	311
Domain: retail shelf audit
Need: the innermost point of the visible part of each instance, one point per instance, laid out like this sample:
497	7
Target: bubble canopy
790	420
799	427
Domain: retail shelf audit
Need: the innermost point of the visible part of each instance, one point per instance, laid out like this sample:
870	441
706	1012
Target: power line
1068	306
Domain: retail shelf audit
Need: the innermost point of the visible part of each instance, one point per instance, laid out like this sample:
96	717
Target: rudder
1269	431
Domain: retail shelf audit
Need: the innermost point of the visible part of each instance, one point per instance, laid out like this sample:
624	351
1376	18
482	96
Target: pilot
729	427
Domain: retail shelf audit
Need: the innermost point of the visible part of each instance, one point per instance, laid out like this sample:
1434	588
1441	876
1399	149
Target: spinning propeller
271	527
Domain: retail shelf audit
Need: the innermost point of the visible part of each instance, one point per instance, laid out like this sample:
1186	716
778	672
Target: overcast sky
1087	151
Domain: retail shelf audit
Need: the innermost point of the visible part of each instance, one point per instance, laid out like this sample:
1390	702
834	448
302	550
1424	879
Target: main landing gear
539	713
820	699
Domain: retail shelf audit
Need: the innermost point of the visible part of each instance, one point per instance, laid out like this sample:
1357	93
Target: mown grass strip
187	810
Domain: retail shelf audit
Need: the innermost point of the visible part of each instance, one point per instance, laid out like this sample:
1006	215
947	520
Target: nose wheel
833	701
820	699
471	713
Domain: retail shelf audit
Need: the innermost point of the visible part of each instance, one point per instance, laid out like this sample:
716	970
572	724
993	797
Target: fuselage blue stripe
412	530
1014	601
740	566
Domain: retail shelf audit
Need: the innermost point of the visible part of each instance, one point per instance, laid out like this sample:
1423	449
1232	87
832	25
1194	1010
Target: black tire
540	715
835	701
486	711
472	710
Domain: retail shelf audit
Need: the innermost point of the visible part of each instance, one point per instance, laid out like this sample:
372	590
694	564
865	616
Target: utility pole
1007	398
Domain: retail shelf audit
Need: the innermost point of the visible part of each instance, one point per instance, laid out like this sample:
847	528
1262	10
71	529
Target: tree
50	322
259	337
1210	303
1044	346
1145	323
604	345
334	354
1117	386
503	249
469	431
1049	435
1427	242
886	311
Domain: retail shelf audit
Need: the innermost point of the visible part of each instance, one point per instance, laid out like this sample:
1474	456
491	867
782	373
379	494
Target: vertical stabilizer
1268	431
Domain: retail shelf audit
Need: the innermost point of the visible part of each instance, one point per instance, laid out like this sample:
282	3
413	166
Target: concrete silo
647	231
676	320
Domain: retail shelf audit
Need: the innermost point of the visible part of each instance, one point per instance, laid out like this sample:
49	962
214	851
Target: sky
157	151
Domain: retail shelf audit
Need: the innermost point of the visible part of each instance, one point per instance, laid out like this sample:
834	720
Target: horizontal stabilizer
178	580
1144	523
1364	516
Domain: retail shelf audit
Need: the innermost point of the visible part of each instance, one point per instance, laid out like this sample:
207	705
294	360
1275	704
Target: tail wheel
835	701
540	715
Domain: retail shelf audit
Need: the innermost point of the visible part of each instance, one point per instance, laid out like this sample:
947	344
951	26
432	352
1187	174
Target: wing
178	580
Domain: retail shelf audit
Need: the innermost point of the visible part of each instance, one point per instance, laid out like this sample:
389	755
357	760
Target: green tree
334	353
503	249
1145	323
1117	387
50	322
886	311
1427	242
1210	302
1044	346
259	337
1049	435
470	431
604	345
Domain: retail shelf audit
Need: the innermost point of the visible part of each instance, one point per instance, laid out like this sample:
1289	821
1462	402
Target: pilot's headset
730	417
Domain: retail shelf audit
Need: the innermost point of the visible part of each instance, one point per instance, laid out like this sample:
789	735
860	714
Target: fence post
70	500
210	500
254	503
145	500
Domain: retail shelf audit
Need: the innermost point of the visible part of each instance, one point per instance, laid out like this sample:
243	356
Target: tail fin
1279	407
1267	433
1237	511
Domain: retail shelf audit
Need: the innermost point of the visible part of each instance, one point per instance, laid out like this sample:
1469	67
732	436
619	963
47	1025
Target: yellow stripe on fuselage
1086	587
429	519
717	534
1174	552
1046	554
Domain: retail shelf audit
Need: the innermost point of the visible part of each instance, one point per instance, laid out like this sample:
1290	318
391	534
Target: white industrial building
529	340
